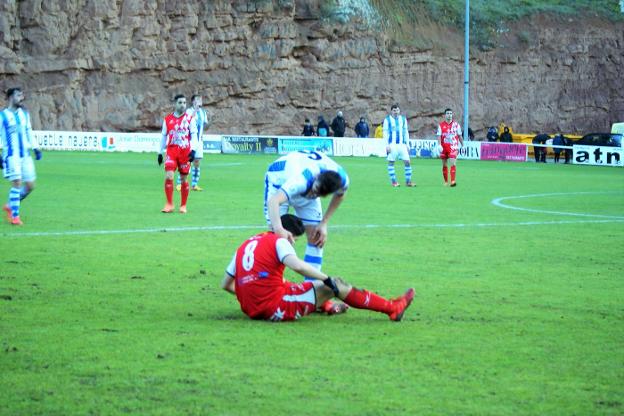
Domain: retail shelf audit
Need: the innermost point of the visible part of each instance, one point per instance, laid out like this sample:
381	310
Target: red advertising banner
504	151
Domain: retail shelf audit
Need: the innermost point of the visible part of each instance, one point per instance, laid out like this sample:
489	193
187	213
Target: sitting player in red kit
256	276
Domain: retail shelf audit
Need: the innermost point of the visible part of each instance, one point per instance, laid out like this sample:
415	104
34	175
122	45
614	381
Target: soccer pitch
108	306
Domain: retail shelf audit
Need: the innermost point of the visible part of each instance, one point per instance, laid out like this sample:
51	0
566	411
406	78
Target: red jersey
259	274
450	133
178	131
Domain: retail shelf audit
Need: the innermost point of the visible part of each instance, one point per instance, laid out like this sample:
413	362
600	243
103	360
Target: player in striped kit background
396	135
17	142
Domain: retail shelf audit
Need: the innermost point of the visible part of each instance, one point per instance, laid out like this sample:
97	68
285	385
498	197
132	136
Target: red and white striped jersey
179	131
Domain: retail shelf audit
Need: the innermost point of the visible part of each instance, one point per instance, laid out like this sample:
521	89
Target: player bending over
256	276
299	180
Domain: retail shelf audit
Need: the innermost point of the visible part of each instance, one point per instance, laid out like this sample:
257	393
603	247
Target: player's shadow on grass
230	316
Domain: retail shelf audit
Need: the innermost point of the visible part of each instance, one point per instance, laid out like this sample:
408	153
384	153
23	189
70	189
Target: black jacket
308	130
338	126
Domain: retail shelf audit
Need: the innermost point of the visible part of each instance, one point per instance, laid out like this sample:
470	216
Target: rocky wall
263	66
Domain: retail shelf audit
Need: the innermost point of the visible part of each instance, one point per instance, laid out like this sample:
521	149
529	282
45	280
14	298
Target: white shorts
22	168
199	153
398	151
309	210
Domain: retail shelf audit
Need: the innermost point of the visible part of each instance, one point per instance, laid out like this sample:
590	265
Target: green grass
517	312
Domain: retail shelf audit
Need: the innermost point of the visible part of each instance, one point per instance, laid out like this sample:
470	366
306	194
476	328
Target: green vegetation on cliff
404	19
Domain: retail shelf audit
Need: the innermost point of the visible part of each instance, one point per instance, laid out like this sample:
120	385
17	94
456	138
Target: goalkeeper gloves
191	156
160	159
38	154
330	283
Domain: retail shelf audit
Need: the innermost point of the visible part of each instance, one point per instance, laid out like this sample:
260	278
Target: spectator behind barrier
506	136
557	141
339	125
492	134
308	128
379	131
539	151
322	128
361	128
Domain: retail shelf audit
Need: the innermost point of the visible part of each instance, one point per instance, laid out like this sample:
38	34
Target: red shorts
177	158
448	152
298	300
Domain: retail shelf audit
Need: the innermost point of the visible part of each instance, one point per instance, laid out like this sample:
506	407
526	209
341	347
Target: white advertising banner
347	146
97	141
67	140
470	150
597	155
111	142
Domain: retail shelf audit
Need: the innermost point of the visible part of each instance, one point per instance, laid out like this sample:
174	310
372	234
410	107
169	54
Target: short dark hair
448	109
178	96
307	120
395	105
293	224
11	91
329	182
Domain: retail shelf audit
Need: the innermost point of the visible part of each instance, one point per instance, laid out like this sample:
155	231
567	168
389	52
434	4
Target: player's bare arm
273	206
228	283
297	265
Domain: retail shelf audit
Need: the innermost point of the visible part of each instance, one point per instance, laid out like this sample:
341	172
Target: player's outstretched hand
160	159
38	154
319	235
191	156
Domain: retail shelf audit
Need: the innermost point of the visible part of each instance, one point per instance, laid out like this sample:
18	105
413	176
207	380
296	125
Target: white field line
262	227
498	202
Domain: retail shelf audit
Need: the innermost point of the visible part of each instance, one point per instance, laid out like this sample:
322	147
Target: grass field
108	306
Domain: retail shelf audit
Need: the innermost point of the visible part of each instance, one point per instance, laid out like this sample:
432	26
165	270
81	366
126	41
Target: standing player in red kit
449	135
256	276
179	137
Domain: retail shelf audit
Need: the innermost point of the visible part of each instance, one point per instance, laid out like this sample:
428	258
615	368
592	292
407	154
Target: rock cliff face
263	66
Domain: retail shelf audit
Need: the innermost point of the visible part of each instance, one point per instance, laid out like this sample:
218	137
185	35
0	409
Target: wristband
329	282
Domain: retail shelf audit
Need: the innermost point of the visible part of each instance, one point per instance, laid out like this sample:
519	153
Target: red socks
169	191
184	191
363	299
453	173
445	173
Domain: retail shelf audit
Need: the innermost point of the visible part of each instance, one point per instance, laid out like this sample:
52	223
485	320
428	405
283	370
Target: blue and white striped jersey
395	130
16	133
295	172
200	118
